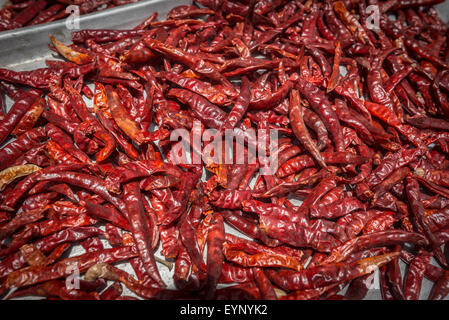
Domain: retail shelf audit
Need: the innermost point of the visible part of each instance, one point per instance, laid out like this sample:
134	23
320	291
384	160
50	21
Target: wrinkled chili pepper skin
196	64
208	113
31	276
240	106
327	274
13	150
321	105
13	117
45	245
441	288
365	151
142	237
415	276
418	215
300	130
199	87
215	239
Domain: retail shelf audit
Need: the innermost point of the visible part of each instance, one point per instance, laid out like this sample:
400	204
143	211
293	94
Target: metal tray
27	49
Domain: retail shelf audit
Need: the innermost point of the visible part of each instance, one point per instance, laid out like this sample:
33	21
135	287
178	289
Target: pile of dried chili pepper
362	181
22	13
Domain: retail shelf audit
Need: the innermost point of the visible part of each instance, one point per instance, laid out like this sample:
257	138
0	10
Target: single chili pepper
395	177
106	213
388	237
196	64
38	78
58	136
249	228
296	235
300	130
142	237
440	288
112	292
70	54
188	236
336	209
30	276
415	47
265	287
391	162
229	199
12	173
304	161
38	201
211	93
215	239
103	35
233	254
33	256
55	288
17	111
351	22
208	113
308	294
328	274
110	126
380	223
240	106
269	100
20	220
413	196
30	118
415	276
321	105
393	278
335	75
24	16
46	15
123	119
58	155
139	169
16	261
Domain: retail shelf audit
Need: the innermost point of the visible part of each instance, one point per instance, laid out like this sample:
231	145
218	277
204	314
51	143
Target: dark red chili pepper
300	130
17	111
328	274
142	236
25	277
321	105
208	113
25	142
413	196
215	239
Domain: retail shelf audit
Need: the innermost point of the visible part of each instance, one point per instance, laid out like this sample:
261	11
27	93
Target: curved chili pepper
142	238
26	277
321	105
215	239
17	111
300	130
329	274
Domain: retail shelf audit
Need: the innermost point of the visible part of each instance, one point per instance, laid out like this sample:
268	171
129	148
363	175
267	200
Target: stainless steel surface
443	10
27	49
